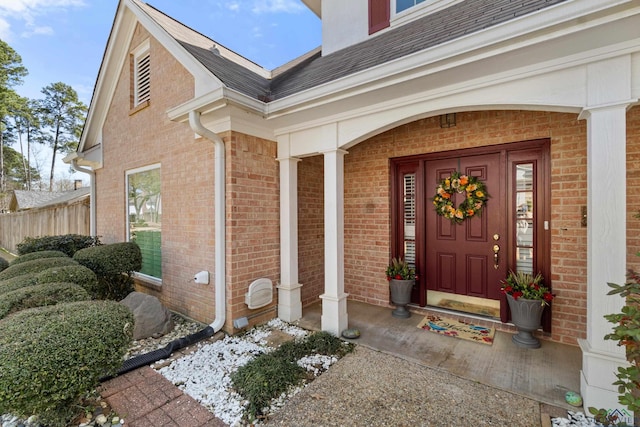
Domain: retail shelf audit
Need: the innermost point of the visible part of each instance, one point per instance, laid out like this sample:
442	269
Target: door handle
496	250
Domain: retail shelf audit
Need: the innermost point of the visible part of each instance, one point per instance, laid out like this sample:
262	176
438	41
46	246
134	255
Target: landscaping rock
151	317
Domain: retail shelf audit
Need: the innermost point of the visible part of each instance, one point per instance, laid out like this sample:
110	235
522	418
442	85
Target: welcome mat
458	329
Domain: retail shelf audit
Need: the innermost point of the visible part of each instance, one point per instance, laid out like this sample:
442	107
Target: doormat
470	308
458	329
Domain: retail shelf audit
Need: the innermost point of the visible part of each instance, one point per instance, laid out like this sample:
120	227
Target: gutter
220	259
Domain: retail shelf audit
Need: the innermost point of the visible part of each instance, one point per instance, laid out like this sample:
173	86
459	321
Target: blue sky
64	40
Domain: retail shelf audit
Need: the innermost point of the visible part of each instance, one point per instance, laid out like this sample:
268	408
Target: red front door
467	258
471	258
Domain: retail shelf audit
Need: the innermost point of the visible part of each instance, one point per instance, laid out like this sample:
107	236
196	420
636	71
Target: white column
289	298
334	300
608	99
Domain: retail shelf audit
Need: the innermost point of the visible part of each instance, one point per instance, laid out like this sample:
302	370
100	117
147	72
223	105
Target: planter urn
526	315
401	296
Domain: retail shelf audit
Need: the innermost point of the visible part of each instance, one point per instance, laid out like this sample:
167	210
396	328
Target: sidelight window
524	217
410	219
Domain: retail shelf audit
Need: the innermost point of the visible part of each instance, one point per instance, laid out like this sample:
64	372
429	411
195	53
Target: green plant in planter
399	269
627	333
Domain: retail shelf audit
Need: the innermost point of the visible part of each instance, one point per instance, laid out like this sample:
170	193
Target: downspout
219	218
220	259
92	195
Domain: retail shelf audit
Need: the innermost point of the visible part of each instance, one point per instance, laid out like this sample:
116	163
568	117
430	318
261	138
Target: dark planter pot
401	296
526	315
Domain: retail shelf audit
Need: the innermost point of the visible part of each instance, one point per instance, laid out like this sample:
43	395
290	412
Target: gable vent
143	79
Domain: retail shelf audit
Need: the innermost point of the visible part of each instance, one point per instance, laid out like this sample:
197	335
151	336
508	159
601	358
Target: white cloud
5	30
233	6
257	32
27	11
276	6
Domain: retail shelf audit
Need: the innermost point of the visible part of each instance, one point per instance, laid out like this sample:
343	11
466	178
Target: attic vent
143	79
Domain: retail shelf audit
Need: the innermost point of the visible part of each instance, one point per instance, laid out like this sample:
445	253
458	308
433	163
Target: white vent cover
260	293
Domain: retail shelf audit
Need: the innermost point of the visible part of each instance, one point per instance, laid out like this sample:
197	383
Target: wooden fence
52	220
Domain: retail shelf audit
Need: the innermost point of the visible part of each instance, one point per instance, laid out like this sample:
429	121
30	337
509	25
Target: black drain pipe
162	353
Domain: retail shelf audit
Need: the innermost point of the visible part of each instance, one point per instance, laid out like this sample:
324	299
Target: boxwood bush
38	255
40	296
3	263
52	356
67	243
77	274
17	282
114	265
35	266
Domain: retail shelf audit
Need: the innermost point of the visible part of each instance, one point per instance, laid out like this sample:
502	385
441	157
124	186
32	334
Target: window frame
146	277
418	10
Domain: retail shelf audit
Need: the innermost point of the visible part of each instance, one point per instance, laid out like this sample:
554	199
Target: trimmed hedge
67	243
116	258
17	282
38	255
52	356
3	263
77	274
114	265
40	296
35	266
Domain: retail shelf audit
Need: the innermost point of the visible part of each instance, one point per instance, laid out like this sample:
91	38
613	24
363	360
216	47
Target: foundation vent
260	293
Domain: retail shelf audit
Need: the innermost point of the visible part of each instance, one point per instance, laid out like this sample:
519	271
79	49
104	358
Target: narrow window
141	75
524	217
144	217
409	215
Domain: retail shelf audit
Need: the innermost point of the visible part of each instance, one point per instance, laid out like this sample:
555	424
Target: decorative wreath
476	196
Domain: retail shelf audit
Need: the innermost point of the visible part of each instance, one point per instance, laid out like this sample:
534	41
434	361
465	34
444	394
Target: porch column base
289	302
334	314
596	381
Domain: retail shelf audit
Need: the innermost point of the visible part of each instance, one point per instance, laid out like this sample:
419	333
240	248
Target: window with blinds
410	219
524	217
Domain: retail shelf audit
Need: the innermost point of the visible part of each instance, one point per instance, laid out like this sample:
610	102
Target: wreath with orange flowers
476	197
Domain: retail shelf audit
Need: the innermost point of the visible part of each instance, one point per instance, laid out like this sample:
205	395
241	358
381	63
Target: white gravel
205	374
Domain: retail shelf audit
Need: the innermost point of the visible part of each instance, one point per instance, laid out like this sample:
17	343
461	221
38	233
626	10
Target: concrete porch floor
543	374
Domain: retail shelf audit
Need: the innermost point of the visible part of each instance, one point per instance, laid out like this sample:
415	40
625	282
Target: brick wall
633	187
253	222
136	139
311	228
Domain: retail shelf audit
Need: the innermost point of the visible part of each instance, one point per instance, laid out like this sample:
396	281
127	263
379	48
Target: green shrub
40	296
52	356
264	378
270	374
3	263
34	267
77	274
114	265
17	282
38	255
67	243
